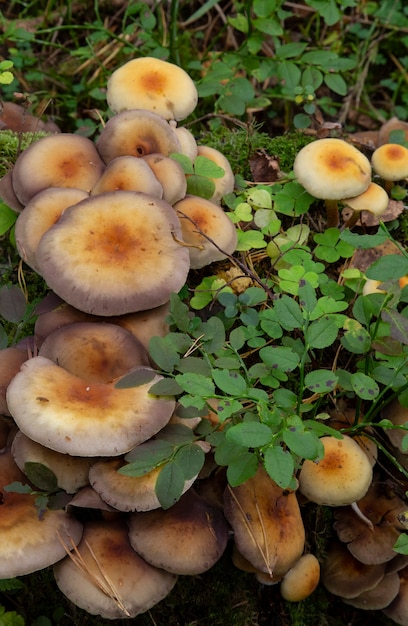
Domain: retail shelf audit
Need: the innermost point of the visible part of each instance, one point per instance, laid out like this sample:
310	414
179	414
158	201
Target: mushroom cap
11	359
128	173
115	253
397	610
136	133
40	213
7	193
71	472
302	579
146	324
69	415
343	475
380	596
62	160
110	579
127	493
332	169
170	174
188	538
154	85
267	525
96	352
29	543
188	144
374	200
225	184
390	161
198	216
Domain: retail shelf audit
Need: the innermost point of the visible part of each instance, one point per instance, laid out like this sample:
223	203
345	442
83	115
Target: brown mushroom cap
106	577
95	352
170	174
128	173
188	144
29	543
63	160
198	216
267	525
11	359
7	193
40	213
154	85
343	475
302	579
187	538
115	253
380	596
136	133
71	472
332	169
390	161
69	415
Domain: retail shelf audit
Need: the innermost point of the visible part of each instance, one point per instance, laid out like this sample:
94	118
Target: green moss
11	144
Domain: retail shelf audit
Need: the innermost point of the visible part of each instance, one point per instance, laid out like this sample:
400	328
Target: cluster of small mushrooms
111	229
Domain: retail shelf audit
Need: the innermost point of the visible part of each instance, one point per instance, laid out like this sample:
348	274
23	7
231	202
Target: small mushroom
154	85
104	575
170	174
380	596
332	169
188	538
373	200
208	231
188	144
390	162
341	477
69	415
128	173
136	133
115	253
7	193
302	579
62	160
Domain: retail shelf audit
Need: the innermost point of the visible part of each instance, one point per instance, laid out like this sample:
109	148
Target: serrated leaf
164	353
170	484
229	382
242	468
303	443
280	465
191	460
136	378
196	384
250	434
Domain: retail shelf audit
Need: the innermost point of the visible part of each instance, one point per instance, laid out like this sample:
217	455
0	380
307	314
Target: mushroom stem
352	220
361	515
332	210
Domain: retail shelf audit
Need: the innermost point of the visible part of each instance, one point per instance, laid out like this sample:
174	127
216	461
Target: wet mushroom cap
69	415
29	543
63	160
136	133
40	213
203	222
114	581
390	161
115	253
332	169
342	477
128	173
95	352
152	84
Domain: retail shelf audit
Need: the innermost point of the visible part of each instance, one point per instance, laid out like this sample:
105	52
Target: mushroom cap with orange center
390	161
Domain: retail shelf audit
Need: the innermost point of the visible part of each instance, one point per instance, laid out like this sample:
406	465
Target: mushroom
170	174
373	200
267	525
7	193
332	169
188	538
95	352
302	579
154	85
30	542
128	173
104	576
207	230
63	160
115	253
380	596
225	184
69	415
11	359
136	133
188	144
397	610
40	213
390	162
71	472
341	477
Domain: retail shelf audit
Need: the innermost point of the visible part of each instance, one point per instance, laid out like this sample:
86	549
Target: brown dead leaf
362	259
395	208
386	129
264	168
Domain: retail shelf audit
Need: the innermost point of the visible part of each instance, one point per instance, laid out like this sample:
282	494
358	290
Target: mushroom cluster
111	229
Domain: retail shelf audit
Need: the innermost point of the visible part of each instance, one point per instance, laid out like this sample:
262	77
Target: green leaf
229	382
401	545
145	457
388	267
164	353
321	333
13	304
398	325
203	166
7	216
250	434
166	387
250	239
288	313
200	186
336	83
321	381
41	476
196	384
17	487
184	161
170	484
191	460
227	408
363	242
280	465
241	469
356	339
364	386
279	357
303	443
176	434
136	378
